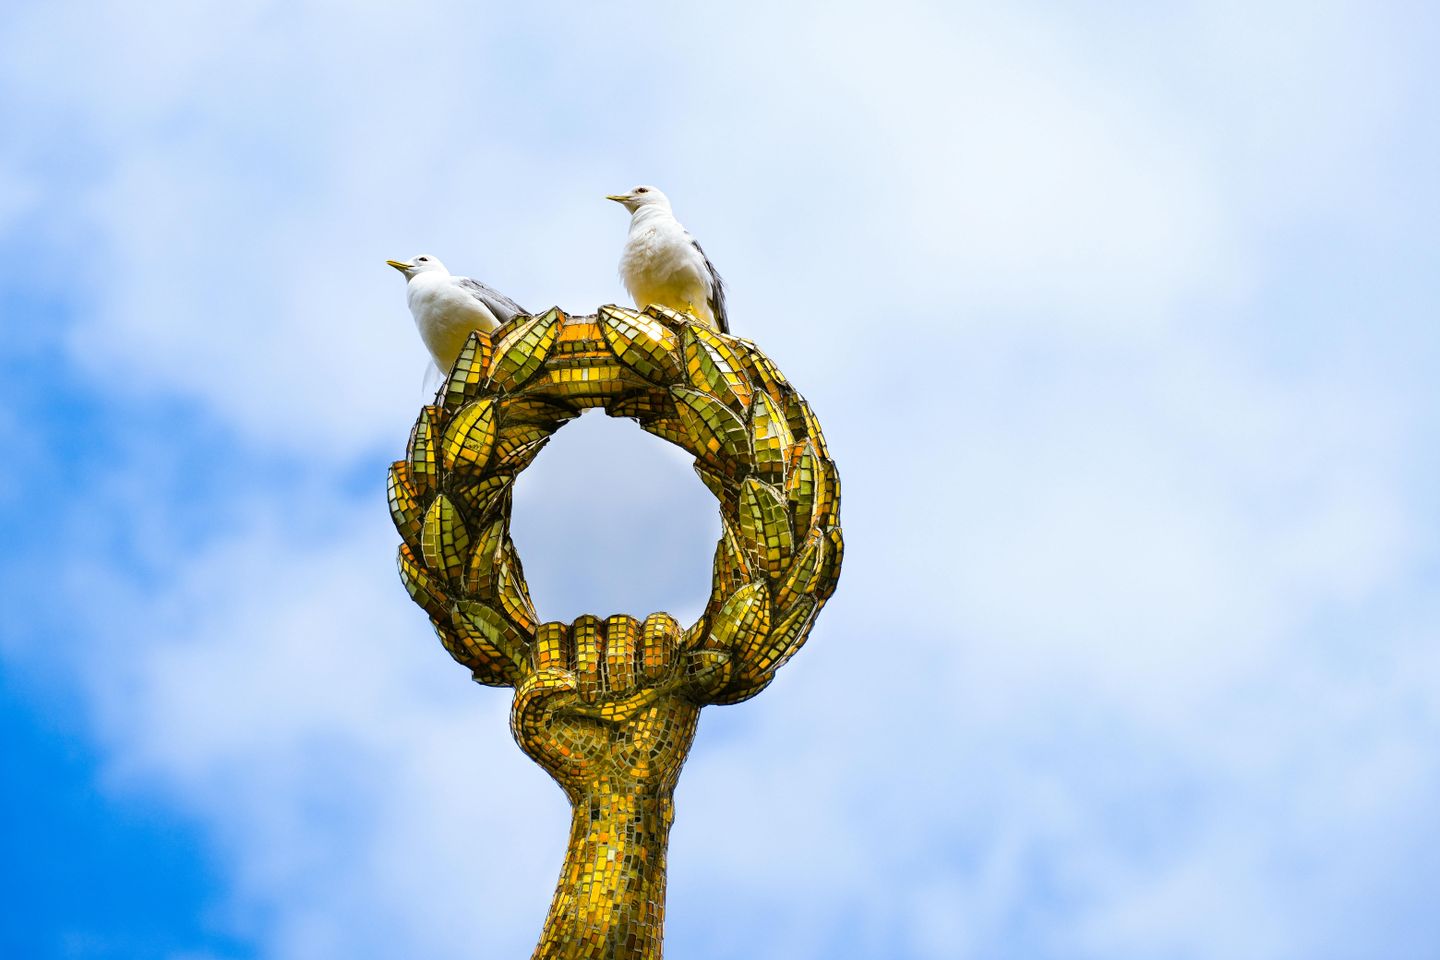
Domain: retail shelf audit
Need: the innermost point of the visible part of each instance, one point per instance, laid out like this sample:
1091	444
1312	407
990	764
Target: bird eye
642	189
422	259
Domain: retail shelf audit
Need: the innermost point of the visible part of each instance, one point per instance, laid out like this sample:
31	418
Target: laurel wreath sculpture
609	707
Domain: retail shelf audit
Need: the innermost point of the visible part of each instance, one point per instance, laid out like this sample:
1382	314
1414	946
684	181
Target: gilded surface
609	707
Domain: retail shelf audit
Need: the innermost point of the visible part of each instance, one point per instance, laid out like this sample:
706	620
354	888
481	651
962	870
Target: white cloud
247	189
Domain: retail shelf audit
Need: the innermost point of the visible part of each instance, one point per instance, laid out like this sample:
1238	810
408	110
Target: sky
1122	324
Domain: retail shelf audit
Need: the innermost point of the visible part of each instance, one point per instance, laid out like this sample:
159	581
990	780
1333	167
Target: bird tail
433	381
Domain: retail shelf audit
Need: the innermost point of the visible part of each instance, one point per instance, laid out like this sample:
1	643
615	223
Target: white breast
661	265
445	314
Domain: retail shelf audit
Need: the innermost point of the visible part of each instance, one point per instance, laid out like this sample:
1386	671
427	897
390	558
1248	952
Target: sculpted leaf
470	437
523	351
714	368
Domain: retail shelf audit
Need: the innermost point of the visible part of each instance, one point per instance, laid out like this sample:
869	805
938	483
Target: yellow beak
400	265
619	197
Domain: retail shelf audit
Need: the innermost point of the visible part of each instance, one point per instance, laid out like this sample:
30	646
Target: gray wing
717	290
502	306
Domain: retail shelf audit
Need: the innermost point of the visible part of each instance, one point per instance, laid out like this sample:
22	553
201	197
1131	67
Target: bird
663	264
447	308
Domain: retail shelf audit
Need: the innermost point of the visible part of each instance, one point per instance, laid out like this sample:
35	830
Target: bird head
424	263
643	196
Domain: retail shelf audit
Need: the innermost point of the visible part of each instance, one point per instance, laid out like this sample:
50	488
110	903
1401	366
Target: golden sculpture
609	707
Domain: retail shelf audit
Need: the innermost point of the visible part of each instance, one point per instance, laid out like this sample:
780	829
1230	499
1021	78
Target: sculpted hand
609	709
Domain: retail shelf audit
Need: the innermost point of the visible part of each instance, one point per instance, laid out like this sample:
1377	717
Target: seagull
446	308
663	264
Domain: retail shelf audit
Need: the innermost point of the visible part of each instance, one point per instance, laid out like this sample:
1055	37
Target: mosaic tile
714	369
404	500
469	436
770	439
715	434
522	353
470	369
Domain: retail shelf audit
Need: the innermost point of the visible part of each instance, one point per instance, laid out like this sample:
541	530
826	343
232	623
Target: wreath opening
608	518
757	445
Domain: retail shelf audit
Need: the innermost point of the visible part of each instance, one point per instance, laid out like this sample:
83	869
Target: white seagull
663	264
447	308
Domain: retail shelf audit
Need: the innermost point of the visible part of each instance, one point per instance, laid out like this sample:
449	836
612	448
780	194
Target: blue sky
1135	653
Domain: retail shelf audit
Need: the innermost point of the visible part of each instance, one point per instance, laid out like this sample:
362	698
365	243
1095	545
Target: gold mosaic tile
423	470
802	483
764	525
517	445
479	497
444	540
469	436
404	499
537	410
715	434
642	344
770	439
470	368
714	369
521	354
490	646
803	573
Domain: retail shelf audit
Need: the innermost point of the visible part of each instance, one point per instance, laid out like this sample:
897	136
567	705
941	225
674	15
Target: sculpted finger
534	727
622	710
622	645
551	648
587	639
660	636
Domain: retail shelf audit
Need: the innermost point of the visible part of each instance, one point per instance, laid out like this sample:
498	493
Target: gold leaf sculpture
405	509
608	707
715	434
469	437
